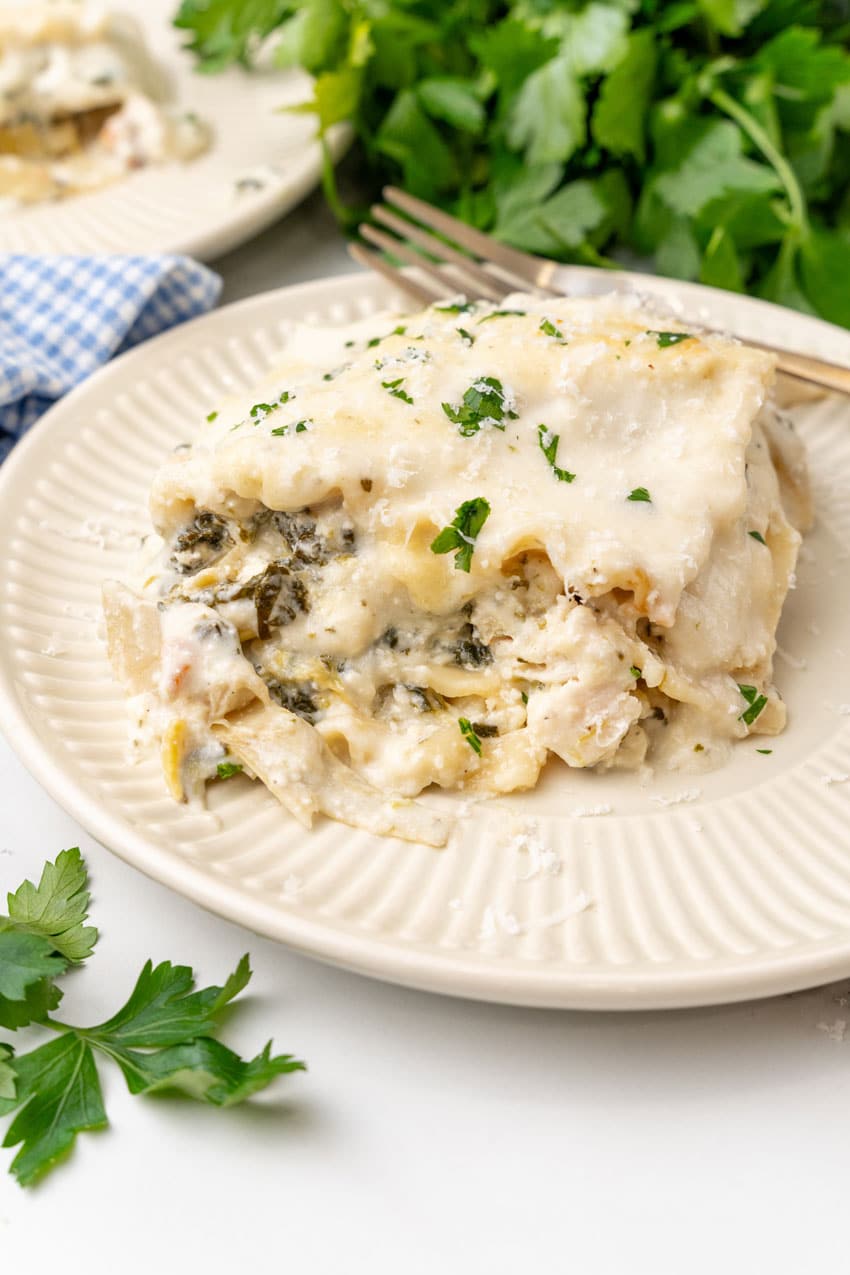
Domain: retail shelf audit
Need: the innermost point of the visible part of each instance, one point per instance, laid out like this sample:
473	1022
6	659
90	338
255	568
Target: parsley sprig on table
711	134
161	1038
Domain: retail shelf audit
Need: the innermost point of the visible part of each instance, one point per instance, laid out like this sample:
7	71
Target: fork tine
479	281
374	261
530	269
408	230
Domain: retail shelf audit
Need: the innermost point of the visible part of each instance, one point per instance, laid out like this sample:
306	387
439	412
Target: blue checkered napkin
62	317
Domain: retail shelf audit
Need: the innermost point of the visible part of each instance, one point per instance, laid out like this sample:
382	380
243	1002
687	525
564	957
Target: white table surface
430	1135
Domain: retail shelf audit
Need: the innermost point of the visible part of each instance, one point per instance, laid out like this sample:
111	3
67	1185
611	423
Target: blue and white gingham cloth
62	317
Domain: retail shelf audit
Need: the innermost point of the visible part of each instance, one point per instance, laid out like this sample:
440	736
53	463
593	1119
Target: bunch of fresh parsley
161	1038
712	134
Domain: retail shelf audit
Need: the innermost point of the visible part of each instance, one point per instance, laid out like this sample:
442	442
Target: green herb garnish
756	535
227	769
467	336
462	532
161	1038
376	340
466	729
548	443
395	389
501	314
211	416
755	701
483	404
709	134
765	752
300	427
260	410
663	339
636	672
549	329
456	307
639	493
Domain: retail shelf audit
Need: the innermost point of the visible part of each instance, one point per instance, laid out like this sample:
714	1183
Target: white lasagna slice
81	102
444	549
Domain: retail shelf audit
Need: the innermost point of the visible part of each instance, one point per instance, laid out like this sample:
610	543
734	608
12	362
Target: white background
429	1135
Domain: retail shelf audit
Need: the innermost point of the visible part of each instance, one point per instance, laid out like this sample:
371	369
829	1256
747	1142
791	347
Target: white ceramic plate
260	163
740	889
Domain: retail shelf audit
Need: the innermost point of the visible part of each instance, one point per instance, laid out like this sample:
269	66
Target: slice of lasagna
443	550
80	102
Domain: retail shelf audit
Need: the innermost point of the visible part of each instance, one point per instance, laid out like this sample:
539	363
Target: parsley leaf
548	329
42	933
483	404
712	164
501	314
454	100
26	959
57	907
640	494
620	113
825	268
462	532
548	443
663	339
298	427
755	701
261	410
45	930
227	769
39	1000
395	389
468	732
7	1075
164	1010
756	535
376	340
205	1070
731	16
548	118
223	32
58	1091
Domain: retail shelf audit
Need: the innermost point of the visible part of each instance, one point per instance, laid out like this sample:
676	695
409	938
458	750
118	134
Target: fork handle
807	368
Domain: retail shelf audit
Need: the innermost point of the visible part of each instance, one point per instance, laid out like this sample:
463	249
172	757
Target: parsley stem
726	103
347	216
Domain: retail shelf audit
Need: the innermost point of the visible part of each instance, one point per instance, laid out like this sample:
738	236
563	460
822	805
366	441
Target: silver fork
480	266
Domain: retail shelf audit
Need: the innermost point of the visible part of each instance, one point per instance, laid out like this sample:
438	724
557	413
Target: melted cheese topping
454	546
80	102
